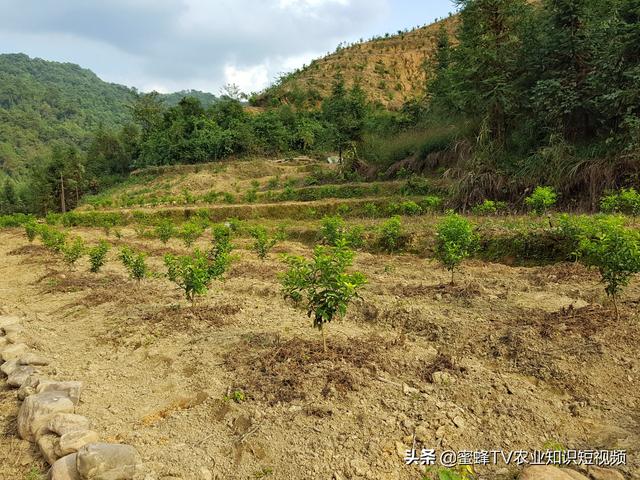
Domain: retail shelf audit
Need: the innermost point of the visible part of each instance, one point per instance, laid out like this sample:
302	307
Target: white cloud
249	79
178	44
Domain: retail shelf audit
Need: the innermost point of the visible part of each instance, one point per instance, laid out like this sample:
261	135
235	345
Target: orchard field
524	350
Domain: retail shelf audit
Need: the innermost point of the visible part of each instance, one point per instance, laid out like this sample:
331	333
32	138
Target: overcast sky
170	45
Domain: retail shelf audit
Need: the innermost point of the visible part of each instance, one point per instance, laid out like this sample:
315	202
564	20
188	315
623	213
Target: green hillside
43	102
172	99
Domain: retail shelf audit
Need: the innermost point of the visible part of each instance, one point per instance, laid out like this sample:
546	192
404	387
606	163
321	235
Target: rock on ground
37	410
6	320
20	376
548	472
13	351
443	378
47	444
33	359
14	328
64	469
14	336
103	461
9	366
72	389
63	423
28	387
598	473
73	441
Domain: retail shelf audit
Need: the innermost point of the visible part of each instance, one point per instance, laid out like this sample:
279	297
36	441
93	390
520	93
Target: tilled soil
240	387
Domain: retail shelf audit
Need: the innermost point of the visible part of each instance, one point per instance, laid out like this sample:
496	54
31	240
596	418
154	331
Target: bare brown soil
240	385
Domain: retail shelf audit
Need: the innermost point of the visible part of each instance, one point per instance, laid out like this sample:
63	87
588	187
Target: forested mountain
43	102
172	99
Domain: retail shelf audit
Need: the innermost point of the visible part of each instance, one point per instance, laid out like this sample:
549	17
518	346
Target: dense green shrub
235	225
52	239
390	237
135	263
410	208
416	185
221	233
262	243
53	218
343	209
165	229
541	200
333	229
354	236
625	201
370	210
31	229
489	207
455	241
73	251
194	273
251	196
190	232
323	283
14	220
615	251
220	253
211	197
431	203
97	256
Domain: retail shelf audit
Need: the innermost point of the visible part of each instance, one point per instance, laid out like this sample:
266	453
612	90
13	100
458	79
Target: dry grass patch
193	318
31	249
55	281
274	370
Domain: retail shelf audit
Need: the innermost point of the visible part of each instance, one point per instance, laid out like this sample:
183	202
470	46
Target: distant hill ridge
390	69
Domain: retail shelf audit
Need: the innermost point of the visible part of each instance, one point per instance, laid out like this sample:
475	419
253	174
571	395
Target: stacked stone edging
47	416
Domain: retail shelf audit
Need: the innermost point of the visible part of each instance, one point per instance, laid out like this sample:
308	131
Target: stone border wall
47	416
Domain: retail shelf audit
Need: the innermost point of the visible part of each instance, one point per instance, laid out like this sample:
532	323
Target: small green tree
625	201
97	256
541	200
135	263
323	283
262	243
194	273
221	234
489	207
333	229
190	232
52	239
31	229
390	234
72	251
615	251
165	229
455	241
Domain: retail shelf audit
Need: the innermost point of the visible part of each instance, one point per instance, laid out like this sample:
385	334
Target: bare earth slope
391	70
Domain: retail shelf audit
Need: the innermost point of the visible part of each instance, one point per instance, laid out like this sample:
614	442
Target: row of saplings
325	284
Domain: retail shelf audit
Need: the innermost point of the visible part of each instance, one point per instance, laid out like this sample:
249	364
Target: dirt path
239	389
